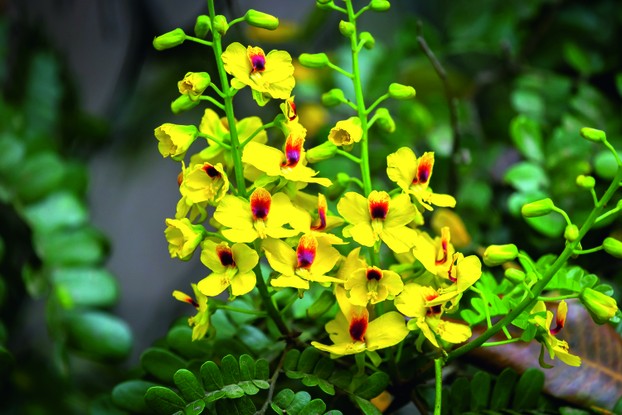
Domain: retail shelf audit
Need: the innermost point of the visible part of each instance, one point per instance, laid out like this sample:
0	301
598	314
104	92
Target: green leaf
308	359
99	335
527	138
605	164
373	385
179	339
38	176
367	407
130	395
528	102
90	287
12	151
233	391
292	403
502	392
163	400
321	305
551	225
247	367
103	405
324	368
212	378
480	391
230	370
291	360
254	338
526	177
460	396
282	400
262	370
161	363
71	247
188	385
195	408
528	390
60	209
316	406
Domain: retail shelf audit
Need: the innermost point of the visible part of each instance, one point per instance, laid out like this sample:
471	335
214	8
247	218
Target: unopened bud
500	254
368	40
202	26
592	134
600	306
183	103
537	208
333	97
313	60
324	4
401	92
571	233
515	275
324	151
586	182
193	84
384	120
261	19
613	247
169	40
379	5
220	24
346	28
338	187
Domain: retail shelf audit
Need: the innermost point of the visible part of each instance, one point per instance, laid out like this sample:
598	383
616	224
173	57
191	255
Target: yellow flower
352	263
183	237
417	301
413	175
311	261
435	254
271	74
231	267
261	217
204	182
214	126
346	132
200	322
543	318
290	163
352	332
379	218
288	107
193	84
372	285
174	140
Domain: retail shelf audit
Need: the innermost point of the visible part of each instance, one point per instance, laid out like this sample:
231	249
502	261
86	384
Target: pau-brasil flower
204	182
413	175
352	331
183	237
378	217
194	84
346	132
231	266
543	318
199	322
175	140
271	74
372	285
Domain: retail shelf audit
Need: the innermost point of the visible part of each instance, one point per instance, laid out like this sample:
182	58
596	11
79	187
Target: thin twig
273	380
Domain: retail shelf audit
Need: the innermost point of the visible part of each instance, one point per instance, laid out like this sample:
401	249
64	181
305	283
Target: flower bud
515	275
368	40
379	5
600	306
202	26
338	187
183	103
261	19
313	60
613	247
220	24
401	92
346	28
537	208
193	84
585	182
499	254
324	4
384	120
571	233
593	134
170	39
324	151
333	97
174	140
183	237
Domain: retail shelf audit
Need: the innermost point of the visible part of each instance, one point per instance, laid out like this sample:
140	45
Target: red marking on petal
191	301
435	309
293	151
307	248
180	178
378	204
451	269
321	213
358	328
225	255
260	203
291	113
211	170
257	58
424	169
443	259
560	322
374	273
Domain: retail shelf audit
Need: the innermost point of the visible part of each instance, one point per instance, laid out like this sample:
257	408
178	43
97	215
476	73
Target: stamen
260	203
225	255
358	328
374	273
307	248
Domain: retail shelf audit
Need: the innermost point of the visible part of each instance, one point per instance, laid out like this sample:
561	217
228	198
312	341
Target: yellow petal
387	330
209	256
245	257
243	283
234	212
401	211
292	281
264	158
402	167
282	257
354	208
214	284
400	239
453	332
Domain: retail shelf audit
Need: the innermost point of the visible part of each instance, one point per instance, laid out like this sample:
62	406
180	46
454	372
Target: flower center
257	59
424	169
225	255
211	171
293	151
358	328
307	248
374	273
435	309
260	203
378	204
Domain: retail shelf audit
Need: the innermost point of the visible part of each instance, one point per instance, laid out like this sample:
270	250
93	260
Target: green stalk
438	376
550	272
228	100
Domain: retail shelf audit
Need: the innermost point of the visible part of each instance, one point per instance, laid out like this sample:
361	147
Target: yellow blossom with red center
378	217
263	216
289	163
183	237
413	176
204	182
311	261
543	318
231	266
352	331
271	74
372	285
419	303
199	322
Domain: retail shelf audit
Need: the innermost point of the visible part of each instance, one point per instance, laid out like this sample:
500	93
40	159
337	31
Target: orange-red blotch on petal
560	319
374	273
183	297
435	309
293	150
289	109
424	168
260	203
444	247
225	255
320	224
378	204
211	171
257	57
307	248
358	327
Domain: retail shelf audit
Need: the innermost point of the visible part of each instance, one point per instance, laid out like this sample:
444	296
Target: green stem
236	21
218	91
588	251
360	12
201	41
438	376
377	102
486	310
212	100
594	197
546	278
564	214
216	140
607	214
228	100
257	131
558	298
349	156
357	182
501	342
241	310
340	70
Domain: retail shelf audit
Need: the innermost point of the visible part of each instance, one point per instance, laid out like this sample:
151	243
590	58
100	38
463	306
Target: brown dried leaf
596	383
